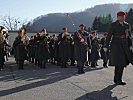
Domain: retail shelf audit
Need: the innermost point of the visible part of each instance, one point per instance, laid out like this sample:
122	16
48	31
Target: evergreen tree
101	23
95	24
89	29
129	18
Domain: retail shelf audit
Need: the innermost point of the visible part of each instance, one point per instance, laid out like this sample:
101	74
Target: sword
76	31
71	21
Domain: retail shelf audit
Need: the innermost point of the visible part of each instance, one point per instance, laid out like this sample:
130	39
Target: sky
30	9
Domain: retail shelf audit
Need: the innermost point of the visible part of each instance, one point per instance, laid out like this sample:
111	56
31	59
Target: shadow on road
37	77
105	94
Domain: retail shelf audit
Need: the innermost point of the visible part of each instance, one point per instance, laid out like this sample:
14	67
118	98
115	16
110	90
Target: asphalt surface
55	83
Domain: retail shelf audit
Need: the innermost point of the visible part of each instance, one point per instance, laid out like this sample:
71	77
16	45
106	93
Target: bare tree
12	23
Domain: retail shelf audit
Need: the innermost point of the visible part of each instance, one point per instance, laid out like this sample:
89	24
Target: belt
120	36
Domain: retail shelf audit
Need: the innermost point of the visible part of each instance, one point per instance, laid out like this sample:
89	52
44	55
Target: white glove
72	43
58	43
105	49
88	49
82	40
131	48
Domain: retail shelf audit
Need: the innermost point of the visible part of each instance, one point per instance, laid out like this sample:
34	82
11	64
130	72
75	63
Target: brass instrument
67	36
25	39
82	39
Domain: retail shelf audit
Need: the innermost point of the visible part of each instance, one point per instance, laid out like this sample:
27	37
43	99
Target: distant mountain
55	21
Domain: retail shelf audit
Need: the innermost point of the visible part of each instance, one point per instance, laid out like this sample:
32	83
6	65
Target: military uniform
121	55
80	49
20	51
31	50
65	48
104	55
94	56
43	51
36	49
2	52
2	47
52	50
72	52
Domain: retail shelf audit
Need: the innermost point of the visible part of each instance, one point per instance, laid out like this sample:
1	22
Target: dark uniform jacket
119	40
31	48
65	46
94	56
104	55
20	51
80	48
52	47
43	49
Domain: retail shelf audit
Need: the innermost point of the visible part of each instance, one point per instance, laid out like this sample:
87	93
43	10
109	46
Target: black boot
105	65
32	60
29	59
93	64
21	65
82	70
44	64
35	61
40	65
121	82
39	62
72	62
87	64
79	70
118	76
64	64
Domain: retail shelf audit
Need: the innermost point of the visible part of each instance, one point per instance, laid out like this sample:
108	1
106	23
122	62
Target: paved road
55	83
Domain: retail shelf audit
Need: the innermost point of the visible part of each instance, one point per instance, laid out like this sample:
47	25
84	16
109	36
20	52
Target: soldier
57	43
80	47
43	51
43	32
72	52
36	39
94	56
119	39
65	47
20	47
104	55
31	50
7	46
52	48
2	44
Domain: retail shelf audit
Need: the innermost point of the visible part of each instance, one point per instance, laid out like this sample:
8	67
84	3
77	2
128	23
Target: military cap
82	25
93	32
121	13
43	30
64	28
105	33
